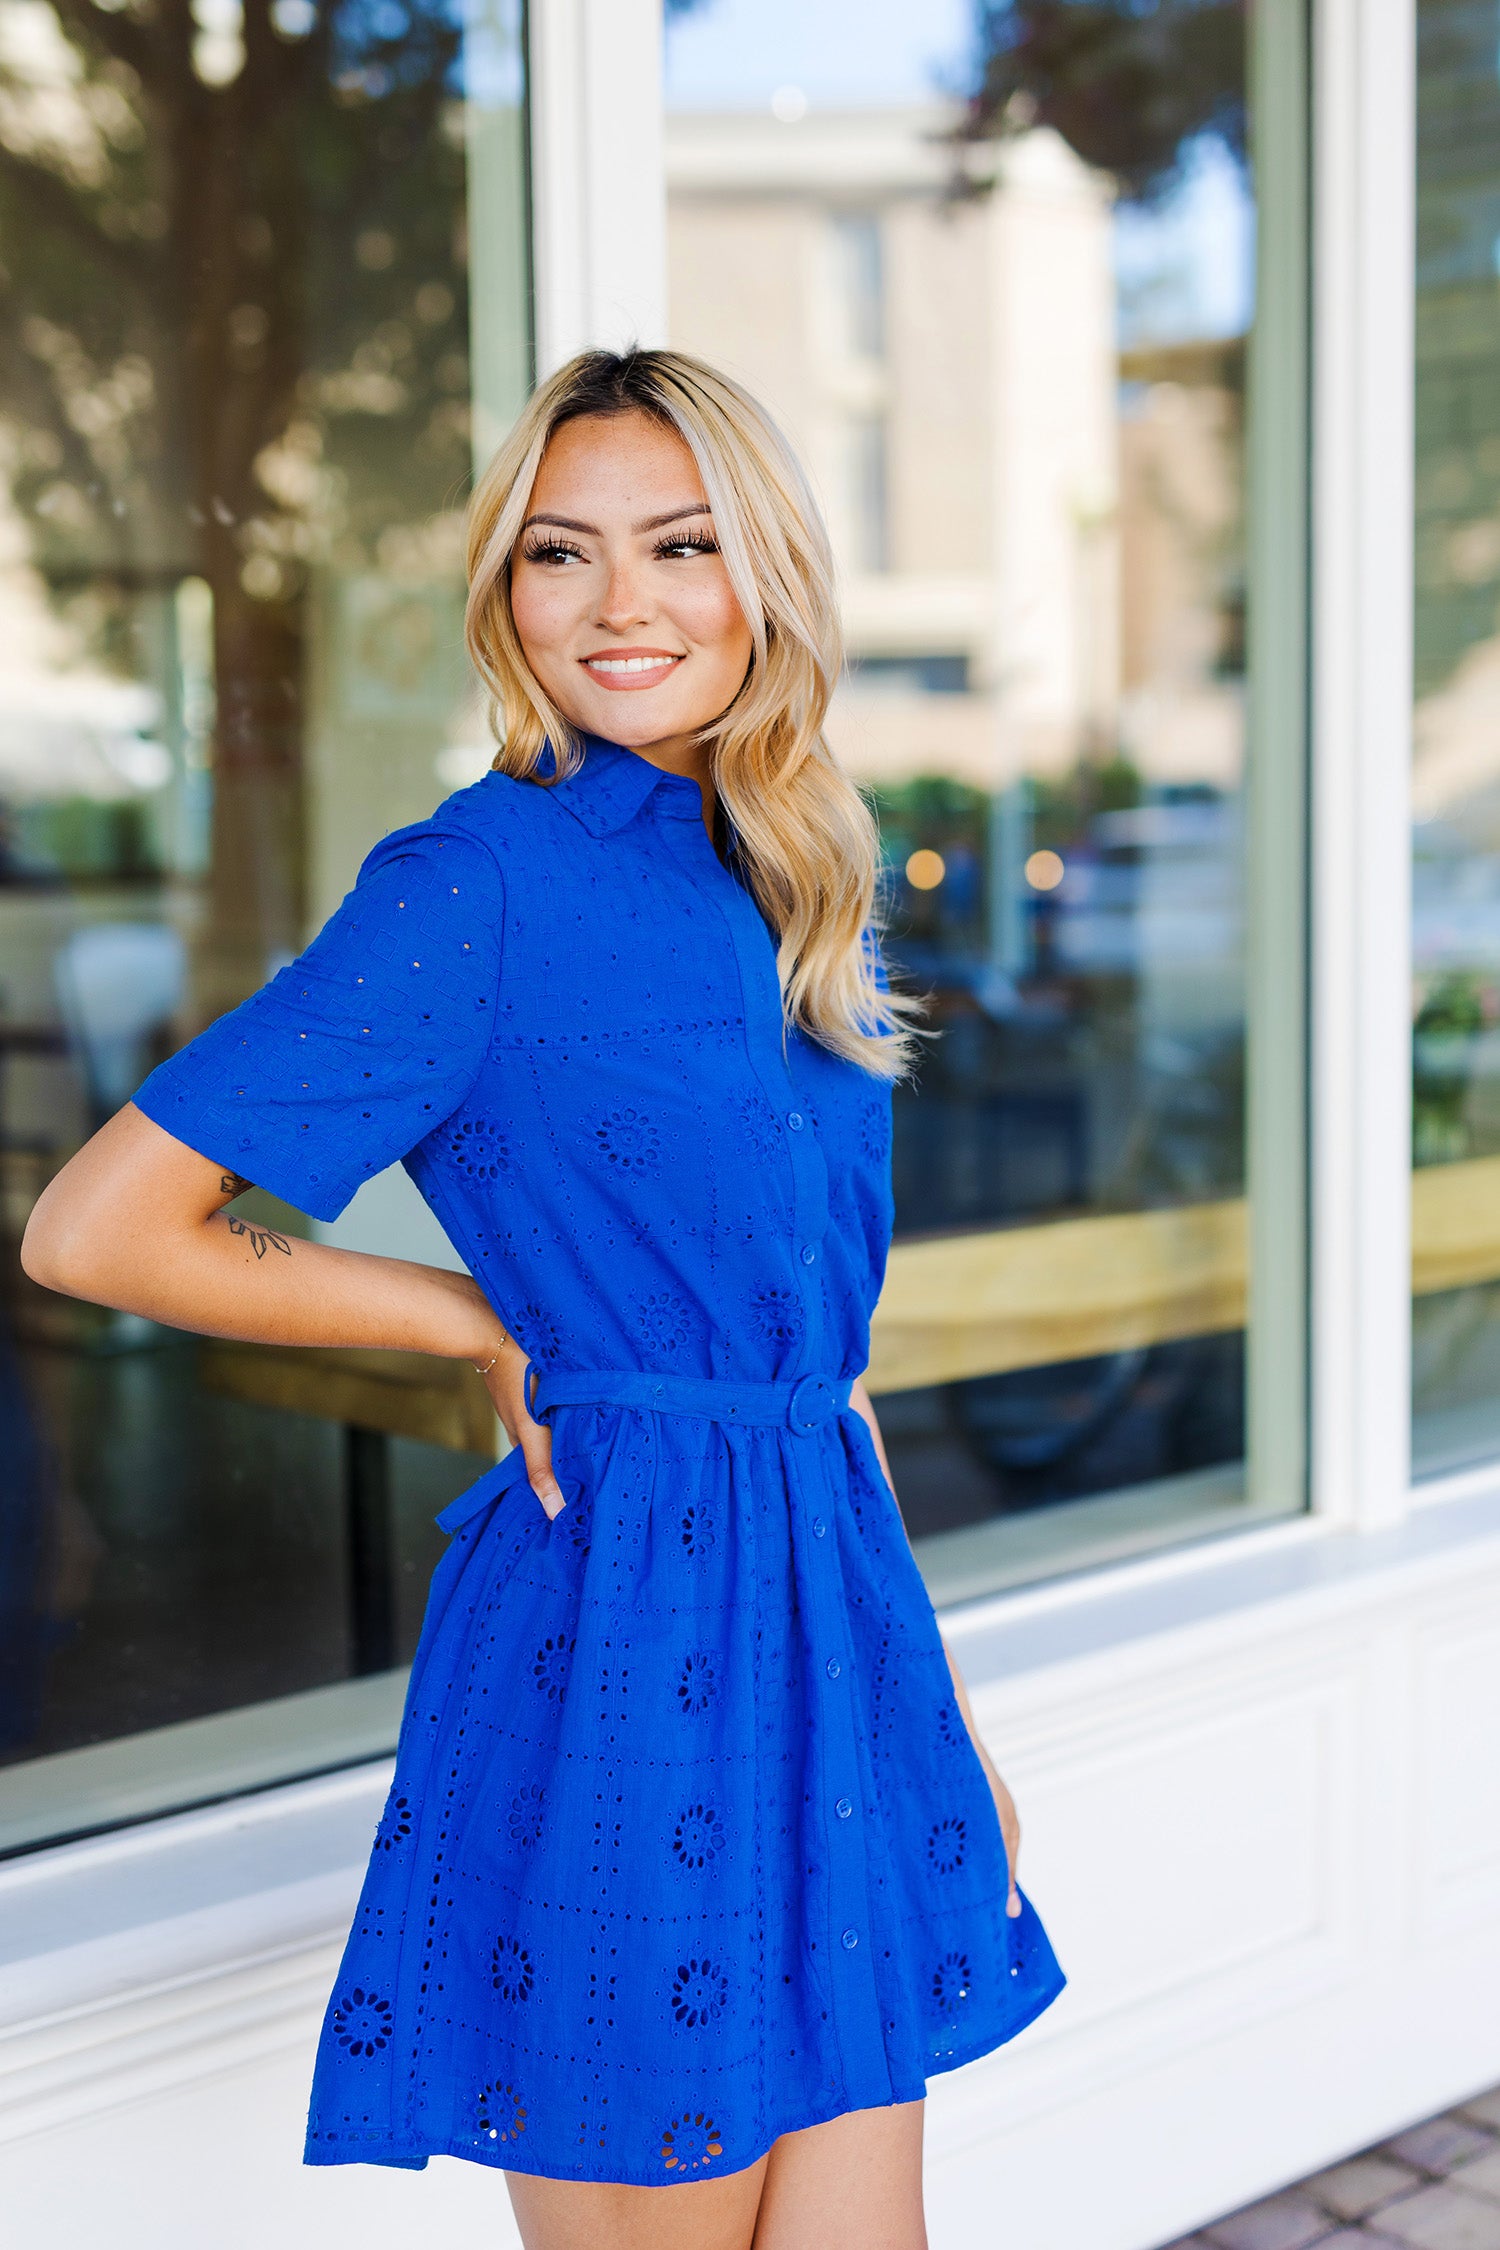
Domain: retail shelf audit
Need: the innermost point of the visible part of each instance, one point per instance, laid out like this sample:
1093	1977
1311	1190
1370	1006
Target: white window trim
598	176
1365	188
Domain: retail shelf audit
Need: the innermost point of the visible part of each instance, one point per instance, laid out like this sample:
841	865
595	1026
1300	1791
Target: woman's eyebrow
651	523
675	515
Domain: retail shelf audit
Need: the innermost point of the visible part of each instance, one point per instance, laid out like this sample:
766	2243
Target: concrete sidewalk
1434	2187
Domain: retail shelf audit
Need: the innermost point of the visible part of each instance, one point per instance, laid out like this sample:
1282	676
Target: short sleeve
364	1044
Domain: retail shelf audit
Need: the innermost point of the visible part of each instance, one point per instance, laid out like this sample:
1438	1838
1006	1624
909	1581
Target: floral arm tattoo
261	1239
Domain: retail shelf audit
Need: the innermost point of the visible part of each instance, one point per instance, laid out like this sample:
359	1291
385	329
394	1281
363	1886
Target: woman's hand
505	1380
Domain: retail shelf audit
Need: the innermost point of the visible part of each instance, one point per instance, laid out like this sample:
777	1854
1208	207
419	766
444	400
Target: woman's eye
688	546
552	551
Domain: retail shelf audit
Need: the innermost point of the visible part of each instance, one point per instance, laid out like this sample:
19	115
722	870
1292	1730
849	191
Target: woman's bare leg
589	2215
852	2184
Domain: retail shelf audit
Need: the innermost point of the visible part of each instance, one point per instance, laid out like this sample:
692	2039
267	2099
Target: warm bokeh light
1044	871
925	870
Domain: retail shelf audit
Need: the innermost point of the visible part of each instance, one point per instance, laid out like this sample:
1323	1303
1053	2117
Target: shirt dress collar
611	785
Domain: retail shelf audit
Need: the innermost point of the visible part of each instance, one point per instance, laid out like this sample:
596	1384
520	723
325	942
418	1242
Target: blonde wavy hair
806	838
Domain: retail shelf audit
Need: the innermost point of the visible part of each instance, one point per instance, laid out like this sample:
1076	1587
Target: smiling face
621	600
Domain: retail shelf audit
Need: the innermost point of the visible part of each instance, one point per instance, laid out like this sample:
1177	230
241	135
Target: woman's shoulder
493	825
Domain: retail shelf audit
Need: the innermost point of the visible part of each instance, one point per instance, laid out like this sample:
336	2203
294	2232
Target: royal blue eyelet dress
687	1846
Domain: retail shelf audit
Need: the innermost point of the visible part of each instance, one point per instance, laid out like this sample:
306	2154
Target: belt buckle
811	1404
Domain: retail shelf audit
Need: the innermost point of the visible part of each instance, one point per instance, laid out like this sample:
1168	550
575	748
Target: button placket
755	958
855	1992
847	1898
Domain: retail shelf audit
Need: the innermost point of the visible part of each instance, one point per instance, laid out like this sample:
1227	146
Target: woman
693	1869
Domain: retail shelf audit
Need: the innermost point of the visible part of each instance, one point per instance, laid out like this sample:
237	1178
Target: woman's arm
137	1220
1005	1805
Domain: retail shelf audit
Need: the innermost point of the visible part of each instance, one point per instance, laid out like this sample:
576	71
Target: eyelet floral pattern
662	1321
511	1972
629	1140
481	1149
691	2142
951	1730
629	1729
700	1994
550	1666
760	1123
361	2023
539	1335
777	1315
395	1823
951	1983
525	1817
499	2113
947	1845
698	1684
698	1837
697	1530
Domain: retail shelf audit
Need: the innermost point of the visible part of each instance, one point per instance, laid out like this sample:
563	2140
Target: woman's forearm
139	1223
230	1277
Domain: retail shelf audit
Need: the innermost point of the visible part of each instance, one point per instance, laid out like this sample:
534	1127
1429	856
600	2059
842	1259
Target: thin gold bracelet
489	1363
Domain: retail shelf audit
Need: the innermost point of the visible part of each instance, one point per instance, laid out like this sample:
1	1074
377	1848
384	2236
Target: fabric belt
803	1406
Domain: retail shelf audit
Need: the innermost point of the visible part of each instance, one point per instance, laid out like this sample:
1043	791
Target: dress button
851	1940
844	1808
794	1120
809	1256
833	1667
819	1527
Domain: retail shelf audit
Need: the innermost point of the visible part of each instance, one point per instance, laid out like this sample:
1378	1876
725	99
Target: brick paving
1434	2187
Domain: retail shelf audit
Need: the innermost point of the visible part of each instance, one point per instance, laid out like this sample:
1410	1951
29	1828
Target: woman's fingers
535	1441
506	1383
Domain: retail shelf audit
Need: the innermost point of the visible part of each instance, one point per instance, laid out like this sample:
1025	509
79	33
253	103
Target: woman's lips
623	668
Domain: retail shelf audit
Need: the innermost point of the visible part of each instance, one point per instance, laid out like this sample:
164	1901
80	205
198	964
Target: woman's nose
624	602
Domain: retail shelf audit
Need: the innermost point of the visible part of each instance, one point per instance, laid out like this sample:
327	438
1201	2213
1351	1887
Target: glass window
1456	781
265	294
1007	315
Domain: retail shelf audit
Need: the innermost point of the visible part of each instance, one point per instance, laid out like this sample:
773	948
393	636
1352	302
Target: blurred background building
1145	359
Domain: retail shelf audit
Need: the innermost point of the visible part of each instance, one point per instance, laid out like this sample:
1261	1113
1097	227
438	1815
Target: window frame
1295	1293
1363	408
1337	1373
1338	1377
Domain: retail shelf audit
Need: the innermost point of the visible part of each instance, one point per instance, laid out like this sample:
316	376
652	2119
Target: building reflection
1024	408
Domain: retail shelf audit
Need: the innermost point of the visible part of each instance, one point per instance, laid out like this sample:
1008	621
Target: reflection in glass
1456	777
1009	337
235	441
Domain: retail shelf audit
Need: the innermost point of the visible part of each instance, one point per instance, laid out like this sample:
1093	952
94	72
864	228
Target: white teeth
628	663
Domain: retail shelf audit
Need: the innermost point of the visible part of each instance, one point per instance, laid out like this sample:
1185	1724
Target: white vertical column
495	135
1276	777
598	177
1362	607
